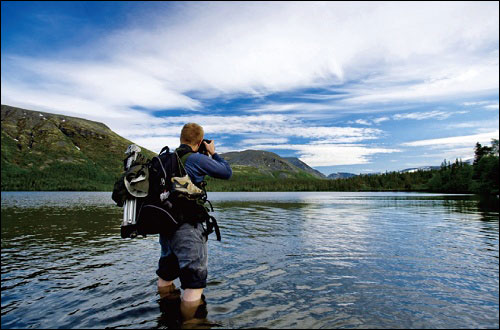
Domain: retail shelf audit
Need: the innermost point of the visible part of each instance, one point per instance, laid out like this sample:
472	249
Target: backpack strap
165	148
181	160
163	181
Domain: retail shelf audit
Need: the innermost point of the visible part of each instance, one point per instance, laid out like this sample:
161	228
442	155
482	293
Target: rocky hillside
44	151
300	164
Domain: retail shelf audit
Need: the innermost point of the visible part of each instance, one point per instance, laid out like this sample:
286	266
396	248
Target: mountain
264	164
300	164
421	168
44	151
340	175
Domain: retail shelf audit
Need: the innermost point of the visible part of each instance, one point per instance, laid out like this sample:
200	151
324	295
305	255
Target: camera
203	148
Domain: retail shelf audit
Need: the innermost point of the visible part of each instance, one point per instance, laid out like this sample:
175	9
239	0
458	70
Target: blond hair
191	134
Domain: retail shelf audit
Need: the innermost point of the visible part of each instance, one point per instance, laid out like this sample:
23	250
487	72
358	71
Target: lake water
286	260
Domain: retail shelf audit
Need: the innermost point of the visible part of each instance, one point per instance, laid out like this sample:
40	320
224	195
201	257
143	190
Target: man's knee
163	283
193	278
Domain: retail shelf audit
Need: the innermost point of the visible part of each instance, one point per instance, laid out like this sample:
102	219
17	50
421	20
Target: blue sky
346	87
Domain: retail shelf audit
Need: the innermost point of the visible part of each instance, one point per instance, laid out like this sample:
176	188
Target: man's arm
198	165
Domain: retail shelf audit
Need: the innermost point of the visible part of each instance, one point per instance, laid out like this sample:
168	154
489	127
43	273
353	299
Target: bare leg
193	311
162	283
192	294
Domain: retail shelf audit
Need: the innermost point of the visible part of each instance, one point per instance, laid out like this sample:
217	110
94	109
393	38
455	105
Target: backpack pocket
154	219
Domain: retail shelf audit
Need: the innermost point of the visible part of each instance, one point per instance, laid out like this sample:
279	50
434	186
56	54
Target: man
184	254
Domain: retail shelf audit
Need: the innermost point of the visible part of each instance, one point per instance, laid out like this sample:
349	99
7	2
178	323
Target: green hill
44	151
264	165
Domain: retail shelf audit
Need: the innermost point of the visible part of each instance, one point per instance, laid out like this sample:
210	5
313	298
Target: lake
286	260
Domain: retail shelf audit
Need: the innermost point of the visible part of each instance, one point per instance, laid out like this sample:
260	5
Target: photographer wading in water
166	195
184	254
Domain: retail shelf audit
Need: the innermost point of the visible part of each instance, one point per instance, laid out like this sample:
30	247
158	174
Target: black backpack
162	210
153	213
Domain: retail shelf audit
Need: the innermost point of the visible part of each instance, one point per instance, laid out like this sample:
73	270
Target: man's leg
194	312
192	295
189	244
163	284
168	266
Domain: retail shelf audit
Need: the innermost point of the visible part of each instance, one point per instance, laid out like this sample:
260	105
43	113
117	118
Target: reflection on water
286	260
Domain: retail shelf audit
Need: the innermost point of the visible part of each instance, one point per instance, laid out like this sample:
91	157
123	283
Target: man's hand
210	147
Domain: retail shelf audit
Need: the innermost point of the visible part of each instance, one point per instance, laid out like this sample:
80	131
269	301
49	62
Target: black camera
203	149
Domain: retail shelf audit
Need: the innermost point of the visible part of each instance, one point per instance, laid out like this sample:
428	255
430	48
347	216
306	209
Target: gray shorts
184	255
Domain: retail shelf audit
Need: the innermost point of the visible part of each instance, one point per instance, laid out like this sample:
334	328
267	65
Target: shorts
184	255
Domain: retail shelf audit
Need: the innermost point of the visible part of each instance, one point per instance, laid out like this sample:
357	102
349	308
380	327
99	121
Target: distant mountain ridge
341	175
421	168
267	163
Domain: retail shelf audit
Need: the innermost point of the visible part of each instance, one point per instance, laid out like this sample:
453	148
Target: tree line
481	177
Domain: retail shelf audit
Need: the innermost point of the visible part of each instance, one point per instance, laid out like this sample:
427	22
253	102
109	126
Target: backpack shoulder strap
182	156
185	157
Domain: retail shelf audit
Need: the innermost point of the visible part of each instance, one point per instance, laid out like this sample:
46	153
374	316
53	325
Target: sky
359	87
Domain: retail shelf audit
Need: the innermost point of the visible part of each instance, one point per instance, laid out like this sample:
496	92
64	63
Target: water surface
286	260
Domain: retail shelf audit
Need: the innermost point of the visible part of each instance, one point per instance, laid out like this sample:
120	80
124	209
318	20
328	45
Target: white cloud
463	153
440	115
476	103
156	143
380	120
481	126
362	122
455	140
254	141
459	79
491	107
224	48
295	107
328	154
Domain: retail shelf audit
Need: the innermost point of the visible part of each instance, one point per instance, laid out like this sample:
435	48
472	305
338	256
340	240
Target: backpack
156	197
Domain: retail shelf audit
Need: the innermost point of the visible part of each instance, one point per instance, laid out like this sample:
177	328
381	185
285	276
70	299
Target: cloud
328	154
439	115
491	107
459	79
254	141
271	128
480	126
362	122
454	141
463	153
380	120
216	49
294	107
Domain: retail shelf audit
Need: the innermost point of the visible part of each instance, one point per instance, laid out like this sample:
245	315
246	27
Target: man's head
192	135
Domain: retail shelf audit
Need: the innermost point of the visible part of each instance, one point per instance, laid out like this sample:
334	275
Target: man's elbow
228	175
